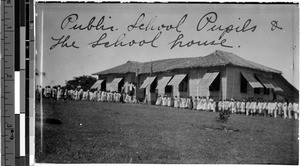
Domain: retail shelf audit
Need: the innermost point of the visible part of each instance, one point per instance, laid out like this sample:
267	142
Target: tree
85	82
223	118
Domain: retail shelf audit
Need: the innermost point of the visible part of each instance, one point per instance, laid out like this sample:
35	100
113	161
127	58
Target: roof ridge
251	63
218	57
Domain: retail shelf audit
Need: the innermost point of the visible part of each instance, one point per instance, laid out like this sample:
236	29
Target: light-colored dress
199	104
176	104
158	101
290	109
169	101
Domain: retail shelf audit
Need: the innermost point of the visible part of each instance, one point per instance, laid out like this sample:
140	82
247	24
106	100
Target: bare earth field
95	132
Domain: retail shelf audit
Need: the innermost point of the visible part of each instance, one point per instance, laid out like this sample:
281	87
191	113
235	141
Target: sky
265	34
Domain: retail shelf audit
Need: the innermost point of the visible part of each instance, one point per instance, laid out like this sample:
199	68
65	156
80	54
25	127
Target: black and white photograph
166	83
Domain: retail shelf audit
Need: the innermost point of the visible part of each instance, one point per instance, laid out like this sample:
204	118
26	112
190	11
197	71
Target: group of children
274	109
59	93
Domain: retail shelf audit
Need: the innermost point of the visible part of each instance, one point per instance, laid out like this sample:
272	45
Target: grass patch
95	132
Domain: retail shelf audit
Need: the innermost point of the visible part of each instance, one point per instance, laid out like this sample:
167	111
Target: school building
220	75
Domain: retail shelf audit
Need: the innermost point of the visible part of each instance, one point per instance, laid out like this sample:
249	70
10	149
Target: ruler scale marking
17	39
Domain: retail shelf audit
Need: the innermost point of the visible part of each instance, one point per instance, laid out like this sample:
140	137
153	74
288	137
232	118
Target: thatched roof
217	58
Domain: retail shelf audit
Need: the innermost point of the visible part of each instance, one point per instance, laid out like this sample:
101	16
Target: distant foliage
84	81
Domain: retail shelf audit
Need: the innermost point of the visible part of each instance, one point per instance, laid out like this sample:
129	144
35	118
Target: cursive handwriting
212	17
275	25
63	42
149	26
121	43
179	43
70	23
143	25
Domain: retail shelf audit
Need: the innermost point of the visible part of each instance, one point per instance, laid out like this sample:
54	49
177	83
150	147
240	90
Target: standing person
176	104
99	95
75	94
172	102
95	95
90	95
253	107
248	105
87	94
230	106
269	107
279	105
121	94
198	103
130	99
220	106
45	91
106	96
189	103
169	101
120	97
84	95
164	101
201	103
194	103
214	105
209	104
185	103
296	109
158	101
260	108
290	109
284	108
264	107
109	97
124	98
112	96
102	96
127	100
59	93
275	108
54	91
180	99
134	100
226	105
69	94
80	93
117	97
233	106
66	94
238	107
243	107
204	104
